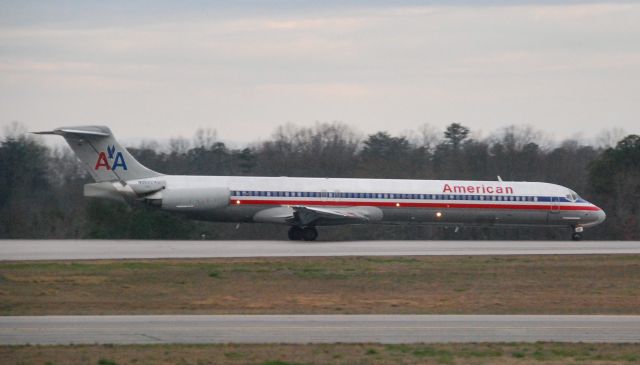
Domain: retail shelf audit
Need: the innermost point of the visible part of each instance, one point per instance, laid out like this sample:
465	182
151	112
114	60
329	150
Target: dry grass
589	284
500	354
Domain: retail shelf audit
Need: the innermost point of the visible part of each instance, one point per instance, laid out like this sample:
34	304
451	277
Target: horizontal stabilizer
86	130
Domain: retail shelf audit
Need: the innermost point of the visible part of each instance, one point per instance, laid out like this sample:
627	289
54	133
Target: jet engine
193	199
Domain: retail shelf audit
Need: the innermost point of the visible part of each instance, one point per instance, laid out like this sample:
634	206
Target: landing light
237	201
438	214
397	204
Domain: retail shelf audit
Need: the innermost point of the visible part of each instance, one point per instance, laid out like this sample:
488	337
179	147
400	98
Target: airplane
306	203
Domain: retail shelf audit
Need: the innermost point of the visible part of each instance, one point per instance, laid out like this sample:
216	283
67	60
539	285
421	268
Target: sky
160	69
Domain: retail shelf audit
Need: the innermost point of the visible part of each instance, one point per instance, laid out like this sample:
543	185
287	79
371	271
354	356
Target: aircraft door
555	207
553	216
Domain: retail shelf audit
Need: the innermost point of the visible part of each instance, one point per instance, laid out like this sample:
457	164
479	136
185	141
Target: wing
301	215
305	215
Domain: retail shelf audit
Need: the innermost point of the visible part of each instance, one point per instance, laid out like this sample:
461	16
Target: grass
106	362
583	284
457	354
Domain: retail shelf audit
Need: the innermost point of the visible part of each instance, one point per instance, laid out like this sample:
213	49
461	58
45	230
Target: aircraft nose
600	216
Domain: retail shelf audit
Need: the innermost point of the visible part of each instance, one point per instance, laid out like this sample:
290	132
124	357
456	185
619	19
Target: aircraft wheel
576	236
295	233
309	234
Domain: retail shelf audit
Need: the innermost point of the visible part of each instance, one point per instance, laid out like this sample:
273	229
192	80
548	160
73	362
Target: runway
316	329
132	249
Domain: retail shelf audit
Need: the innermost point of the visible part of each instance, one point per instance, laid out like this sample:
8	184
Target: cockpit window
572	196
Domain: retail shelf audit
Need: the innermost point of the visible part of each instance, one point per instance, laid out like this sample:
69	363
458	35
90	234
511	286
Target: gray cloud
161	70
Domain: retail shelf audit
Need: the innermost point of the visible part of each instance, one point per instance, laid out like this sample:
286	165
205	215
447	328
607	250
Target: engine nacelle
195	199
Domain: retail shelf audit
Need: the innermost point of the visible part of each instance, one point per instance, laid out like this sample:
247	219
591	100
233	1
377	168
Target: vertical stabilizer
102	155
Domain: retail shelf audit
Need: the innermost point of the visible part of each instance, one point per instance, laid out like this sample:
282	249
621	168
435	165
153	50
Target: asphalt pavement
132	249
157	329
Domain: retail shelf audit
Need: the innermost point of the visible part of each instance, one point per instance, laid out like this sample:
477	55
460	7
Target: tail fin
102	155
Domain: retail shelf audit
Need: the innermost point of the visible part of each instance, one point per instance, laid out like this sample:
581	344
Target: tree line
41	187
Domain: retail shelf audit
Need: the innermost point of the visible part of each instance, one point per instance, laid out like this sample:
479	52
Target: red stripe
414	205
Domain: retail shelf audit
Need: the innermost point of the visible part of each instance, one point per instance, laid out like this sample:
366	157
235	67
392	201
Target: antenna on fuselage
499	178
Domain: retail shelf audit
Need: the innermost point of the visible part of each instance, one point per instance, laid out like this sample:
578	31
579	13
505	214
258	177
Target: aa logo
111	160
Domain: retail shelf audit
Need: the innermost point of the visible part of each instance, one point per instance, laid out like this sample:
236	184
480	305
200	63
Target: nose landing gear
303	233
577	233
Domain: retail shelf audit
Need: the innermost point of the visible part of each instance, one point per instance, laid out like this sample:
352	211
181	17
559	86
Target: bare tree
609	137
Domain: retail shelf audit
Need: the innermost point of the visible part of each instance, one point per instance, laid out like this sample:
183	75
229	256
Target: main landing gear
577	233
303	233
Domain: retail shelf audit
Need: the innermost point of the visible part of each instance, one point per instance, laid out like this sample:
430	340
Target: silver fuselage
393	201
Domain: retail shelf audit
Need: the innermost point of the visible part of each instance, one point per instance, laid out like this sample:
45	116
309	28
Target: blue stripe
398	196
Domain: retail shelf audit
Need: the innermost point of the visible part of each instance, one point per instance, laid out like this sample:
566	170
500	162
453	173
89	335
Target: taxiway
150	329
